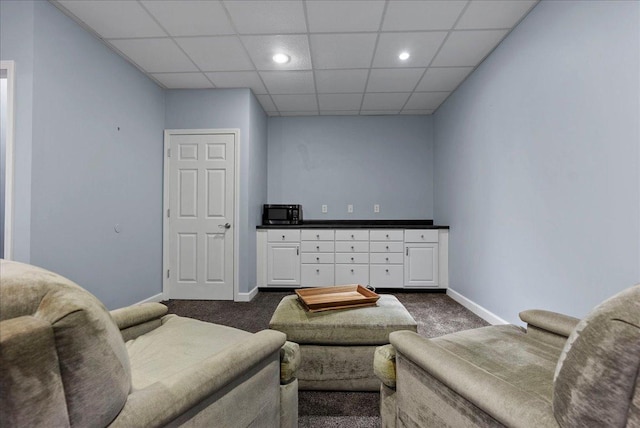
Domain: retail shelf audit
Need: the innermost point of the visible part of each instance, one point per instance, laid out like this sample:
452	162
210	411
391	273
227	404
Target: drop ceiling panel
262	49
422	15
394	79
114	19
344	16
342	50
443	79
288	82
298	102
467	48
155	55
426	100
190	18
220	53
421	46
488	14
339	101
183	80
267	17
266	102
384	102
238	79
341	81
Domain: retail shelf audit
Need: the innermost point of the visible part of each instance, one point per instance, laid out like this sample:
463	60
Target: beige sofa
64	362
559	372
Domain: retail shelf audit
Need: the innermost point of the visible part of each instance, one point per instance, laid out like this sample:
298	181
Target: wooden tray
341	297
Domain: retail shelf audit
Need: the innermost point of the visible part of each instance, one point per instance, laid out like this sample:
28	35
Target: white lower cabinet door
283	264
421	265
352	274
386	276
317	275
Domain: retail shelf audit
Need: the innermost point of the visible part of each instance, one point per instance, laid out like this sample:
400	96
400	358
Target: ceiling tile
183	80
288	82
467	47
115	19
381	102
443	79
339	101
221	53
238	79
394	79
494	14
344	16
417	112
421	15
342	50
341	81
190	17
421	46
263	48
267	17
266	102
155	55
426	100
294	103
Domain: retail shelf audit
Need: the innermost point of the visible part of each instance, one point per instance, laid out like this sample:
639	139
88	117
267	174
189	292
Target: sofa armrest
506	403
384	365
551	321
162	402
134	321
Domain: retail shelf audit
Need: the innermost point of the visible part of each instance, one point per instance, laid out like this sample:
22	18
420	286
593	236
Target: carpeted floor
435	313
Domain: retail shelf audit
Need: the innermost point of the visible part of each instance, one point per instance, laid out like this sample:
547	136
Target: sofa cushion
597	372
94	366
358	326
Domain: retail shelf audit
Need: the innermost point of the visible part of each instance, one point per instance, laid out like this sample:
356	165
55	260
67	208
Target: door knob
226	226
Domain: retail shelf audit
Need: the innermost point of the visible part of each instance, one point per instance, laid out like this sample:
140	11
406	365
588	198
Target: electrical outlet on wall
324	209
376	208
350	208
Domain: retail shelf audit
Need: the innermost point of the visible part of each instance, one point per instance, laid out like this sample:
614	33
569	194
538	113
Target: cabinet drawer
421	235
322	258
386	258
352	274
387	247
353	247
283	235
352	235
314	275
317	235
351	258
383	276
317	246
386	235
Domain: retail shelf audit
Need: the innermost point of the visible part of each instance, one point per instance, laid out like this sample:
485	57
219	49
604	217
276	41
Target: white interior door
200	217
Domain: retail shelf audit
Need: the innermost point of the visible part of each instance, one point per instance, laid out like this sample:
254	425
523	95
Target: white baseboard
247	297
483	313
154	298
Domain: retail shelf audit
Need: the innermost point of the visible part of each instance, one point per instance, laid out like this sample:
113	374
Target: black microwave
281	214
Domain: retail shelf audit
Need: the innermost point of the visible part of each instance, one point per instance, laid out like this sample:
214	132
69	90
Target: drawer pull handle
387	236
386	270
422	236
351	258
318	258
387	258
351	270
318	247
352	237
318	236
387	247
283	237
352	247
317	270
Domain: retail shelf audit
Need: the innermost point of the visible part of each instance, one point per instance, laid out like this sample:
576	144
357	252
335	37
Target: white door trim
165	204
9	66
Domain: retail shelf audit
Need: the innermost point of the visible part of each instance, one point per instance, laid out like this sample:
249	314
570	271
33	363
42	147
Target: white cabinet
317	258
352	257
283	257
386	259
421	261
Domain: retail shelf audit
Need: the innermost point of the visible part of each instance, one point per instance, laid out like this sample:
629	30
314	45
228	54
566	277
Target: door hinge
168	273
168	212
168	153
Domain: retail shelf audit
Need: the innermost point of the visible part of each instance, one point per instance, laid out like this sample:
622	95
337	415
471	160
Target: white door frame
9	67
165	204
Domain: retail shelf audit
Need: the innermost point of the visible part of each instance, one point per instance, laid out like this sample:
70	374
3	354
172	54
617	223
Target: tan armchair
64	362
559	372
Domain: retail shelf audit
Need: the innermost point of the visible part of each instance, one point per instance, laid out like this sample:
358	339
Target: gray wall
224	108
340	160
87	176
537	163
17	44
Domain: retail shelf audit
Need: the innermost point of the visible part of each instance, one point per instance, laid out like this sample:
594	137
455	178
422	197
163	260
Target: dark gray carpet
436	314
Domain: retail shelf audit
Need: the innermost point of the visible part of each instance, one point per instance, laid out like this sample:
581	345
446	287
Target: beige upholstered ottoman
337	347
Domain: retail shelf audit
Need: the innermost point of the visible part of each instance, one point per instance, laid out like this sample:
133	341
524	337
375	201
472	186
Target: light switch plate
324	209
376	208
349	208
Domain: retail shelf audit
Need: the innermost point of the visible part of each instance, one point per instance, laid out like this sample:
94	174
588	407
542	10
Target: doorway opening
7	85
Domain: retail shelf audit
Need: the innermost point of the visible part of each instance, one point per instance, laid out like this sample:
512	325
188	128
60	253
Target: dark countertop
357	224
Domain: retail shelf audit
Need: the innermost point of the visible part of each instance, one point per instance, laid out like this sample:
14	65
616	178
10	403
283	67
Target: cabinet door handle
386	270
351	270
351	258
387	236
318	247
318	236
352	248
297	251
317	270
407	251
318	258
352	237
283	237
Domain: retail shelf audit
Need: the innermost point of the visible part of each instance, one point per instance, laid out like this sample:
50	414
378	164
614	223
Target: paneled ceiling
343	55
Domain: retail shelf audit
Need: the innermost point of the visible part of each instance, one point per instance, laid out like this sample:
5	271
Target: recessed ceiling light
404	56
281	58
